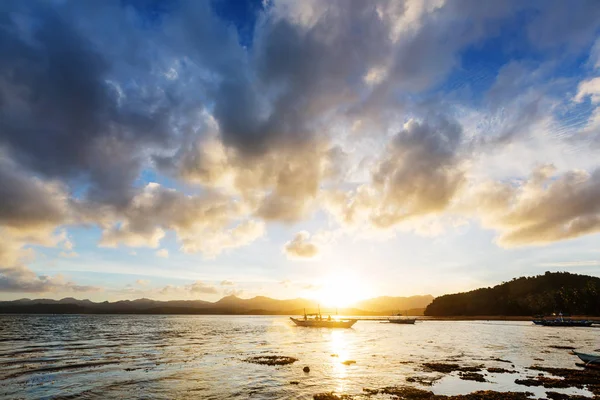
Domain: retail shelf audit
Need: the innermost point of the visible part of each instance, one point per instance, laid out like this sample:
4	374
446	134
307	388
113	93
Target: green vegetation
543	294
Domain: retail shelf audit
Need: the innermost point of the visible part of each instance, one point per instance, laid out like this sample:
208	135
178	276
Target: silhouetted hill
259	305
543	294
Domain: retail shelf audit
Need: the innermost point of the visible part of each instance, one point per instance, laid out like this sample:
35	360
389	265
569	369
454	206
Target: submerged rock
412	393
446	368
331	396
423	380
271	360
306	369
493	370
579	378
472	376
562	396
441	367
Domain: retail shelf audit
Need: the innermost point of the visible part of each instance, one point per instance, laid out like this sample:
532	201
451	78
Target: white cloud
301	247
163	253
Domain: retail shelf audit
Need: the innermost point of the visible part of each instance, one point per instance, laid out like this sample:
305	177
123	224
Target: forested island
553	292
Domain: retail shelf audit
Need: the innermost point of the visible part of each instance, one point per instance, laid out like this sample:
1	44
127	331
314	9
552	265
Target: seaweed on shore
589	378
441	367
472	376
423	380
446	368
494	370
501	360
562	396
271	360
543	381
411	393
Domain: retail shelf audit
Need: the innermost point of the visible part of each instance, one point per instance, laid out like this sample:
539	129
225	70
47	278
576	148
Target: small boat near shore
560	321
398	319
317	321
588	358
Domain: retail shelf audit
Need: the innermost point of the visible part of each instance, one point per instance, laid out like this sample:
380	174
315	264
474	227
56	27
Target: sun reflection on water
339	346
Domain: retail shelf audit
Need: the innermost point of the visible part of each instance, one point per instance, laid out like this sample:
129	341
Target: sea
206	357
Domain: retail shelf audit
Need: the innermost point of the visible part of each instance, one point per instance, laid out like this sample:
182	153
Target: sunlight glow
341	291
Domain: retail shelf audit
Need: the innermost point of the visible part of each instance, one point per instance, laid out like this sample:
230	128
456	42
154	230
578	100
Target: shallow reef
412	393
472	376
271	360
494	370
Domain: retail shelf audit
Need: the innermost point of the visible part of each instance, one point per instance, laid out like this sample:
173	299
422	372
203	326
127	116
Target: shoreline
596	319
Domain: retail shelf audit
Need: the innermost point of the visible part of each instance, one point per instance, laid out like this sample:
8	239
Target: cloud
301	247
199	287
200	222
286	283
419	173
569	264
589	88
142	282
234	292
295	121
163	253
29	203
68	254
542	209
17	277
226	283
191	290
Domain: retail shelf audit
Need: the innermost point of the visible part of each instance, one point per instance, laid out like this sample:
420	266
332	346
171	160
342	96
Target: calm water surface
113	357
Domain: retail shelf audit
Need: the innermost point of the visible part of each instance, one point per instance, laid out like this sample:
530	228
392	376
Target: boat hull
311	323
562	323
588	358
407	321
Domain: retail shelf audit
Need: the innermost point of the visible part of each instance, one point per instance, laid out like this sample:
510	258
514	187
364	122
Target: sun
341	291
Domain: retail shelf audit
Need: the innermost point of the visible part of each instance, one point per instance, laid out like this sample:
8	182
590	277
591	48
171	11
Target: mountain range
260	305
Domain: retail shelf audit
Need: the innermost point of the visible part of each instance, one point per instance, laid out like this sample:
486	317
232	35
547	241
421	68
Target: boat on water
398	319
317	321
561	321
588	358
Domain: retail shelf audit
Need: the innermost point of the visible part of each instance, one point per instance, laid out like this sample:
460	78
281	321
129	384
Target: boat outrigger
560	321
317	321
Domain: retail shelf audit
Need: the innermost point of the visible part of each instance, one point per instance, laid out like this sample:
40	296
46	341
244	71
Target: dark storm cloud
302	73
27	202
60	116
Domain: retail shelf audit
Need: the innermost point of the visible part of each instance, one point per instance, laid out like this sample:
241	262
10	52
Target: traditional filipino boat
317	321
588	358
398	319
560	321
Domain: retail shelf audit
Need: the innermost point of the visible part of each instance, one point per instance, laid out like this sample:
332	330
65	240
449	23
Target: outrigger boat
560	321
317	321
588	358
399	320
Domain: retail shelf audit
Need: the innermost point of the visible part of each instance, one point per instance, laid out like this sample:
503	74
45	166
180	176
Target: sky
176	149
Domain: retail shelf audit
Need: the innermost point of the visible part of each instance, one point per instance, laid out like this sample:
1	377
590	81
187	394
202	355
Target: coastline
596	319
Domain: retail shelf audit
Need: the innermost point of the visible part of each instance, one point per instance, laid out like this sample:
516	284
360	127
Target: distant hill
259	305
543	294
